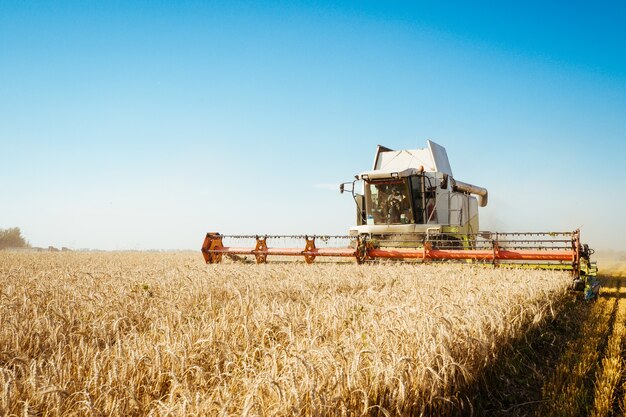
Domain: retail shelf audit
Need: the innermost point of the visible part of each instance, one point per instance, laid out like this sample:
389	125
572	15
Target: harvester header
410	208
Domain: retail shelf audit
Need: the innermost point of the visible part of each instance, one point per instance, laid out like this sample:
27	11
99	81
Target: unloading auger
410	208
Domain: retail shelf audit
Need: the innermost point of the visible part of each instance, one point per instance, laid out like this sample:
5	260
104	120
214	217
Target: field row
589	377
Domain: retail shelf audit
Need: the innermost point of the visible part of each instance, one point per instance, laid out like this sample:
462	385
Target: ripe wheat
165	334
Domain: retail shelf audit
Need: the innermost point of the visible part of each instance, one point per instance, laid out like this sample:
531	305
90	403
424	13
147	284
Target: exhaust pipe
472	189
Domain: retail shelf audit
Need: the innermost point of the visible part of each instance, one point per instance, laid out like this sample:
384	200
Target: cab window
388	202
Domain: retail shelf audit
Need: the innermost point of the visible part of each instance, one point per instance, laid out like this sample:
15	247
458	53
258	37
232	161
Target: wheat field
164	334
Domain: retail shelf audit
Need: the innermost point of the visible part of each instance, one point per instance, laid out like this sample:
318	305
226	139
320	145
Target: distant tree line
12	238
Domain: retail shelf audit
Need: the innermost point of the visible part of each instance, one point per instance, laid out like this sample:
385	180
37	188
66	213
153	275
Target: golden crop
589	376
565	393
614	266
612	365
165	334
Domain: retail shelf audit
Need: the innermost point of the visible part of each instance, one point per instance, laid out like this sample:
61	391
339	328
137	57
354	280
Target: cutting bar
339	252
213	248
507	250
476	255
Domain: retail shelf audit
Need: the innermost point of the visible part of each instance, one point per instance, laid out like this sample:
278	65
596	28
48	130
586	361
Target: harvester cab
411	194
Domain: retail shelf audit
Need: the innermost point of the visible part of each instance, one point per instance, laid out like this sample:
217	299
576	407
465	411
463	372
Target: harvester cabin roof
433	158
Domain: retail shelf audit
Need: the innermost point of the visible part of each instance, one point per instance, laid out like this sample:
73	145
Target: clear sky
141	125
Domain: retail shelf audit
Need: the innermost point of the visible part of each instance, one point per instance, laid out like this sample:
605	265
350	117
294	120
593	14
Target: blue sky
139	125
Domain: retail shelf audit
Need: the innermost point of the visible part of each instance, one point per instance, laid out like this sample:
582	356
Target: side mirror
342	188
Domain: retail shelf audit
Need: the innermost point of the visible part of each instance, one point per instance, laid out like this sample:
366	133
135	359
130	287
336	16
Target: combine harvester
411	208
